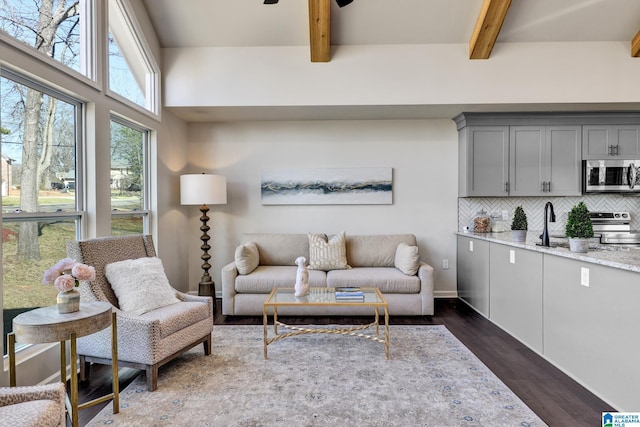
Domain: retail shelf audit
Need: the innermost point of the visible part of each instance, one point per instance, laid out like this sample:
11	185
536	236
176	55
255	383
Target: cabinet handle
506	187
548	186
542	186
610	150
617	147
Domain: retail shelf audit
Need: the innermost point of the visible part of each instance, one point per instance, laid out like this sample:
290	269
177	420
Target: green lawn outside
22	279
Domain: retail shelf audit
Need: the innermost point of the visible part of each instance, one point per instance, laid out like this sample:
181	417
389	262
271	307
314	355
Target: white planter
519	235
579	245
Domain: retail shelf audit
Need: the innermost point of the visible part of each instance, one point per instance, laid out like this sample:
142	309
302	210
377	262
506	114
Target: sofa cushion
264	278
141	284
375	250
407	259
247	258
327	254
388	279
278	249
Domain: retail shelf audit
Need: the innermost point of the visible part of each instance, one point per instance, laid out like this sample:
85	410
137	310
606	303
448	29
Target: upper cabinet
507	155
601	142
544	160
538	154
484	161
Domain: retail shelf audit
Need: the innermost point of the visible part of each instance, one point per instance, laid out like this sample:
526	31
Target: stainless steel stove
614	228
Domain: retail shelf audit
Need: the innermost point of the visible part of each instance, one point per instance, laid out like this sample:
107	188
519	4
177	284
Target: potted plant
579	228
519	225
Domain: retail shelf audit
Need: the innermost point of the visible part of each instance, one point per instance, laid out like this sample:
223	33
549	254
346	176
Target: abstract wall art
327	186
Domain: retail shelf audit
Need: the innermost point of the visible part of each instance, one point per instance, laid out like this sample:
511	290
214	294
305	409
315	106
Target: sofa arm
229	274
426	273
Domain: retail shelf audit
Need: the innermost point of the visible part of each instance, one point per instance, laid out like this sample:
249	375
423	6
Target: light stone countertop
624	257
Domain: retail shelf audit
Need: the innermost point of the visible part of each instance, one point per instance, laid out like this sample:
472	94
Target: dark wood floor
556	398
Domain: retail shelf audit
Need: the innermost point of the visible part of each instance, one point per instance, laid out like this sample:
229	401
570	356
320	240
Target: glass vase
69	301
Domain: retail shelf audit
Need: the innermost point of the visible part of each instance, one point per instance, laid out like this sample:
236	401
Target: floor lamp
204	189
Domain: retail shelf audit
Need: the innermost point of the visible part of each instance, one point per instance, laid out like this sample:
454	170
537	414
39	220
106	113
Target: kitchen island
579	311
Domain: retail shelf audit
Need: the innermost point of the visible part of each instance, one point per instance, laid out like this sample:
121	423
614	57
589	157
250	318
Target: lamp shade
203	189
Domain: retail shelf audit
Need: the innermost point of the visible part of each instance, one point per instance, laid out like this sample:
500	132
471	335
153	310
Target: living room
238	108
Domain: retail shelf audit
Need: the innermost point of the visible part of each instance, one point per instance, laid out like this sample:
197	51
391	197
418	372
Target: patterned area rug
431	379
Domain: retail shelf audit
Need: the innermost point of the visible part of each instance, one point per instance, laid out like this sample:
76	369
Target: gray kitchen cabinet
484	161
473	273
591	320
602	142
545	160
516	293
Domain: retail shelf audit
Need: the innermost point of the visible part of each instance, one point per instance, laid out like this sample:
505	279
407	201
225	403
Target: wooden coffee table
283	297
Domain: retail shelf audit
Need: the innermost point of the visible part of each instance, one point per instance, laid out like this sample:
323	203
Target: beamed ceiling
325	27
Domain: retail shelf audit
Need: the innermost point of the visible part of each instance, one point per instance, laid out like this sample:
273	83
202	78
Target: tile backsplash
534	208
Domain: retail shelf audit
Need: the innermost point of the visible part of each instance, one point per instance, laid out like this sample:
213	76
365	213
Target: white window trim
87	48
124	26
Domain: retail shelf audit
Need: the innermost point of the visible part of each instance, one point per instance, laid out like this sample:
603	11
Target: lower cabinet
591	321
515	302
473	273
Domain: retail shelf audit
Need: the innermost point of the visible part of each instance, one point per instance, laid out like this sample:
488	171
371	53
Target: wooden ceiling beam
320	30
487	28
635	46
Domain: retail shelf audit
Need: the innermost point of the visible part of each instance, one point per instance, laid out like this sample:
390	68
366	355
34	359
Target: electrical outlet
584	276
512	256
470	245
505	215
445	264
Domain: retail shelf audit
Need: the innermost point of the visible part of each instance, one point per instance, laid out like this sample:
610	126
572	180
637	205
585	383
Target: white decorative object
302	278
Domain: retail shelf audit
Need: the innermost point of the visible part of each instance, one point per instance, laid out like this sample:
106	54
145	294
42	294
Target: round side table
45	325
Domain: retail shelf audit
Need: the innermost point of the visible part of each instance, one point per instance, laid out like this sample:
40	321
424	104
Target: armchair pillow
327	255
140	285
247	258
407	259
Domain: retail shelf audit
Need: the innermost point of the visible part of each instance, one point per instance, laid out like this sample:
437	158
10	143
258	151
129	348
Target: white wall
440	74
422	153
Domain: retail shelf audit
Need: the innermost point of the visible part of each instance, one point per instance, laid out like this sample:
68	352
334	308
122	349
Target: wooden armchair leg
207	346
85	369
152	377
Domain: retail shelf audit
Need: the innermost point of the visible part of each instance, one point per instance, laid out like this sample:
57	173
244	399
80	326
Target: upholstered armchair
37	406
148	340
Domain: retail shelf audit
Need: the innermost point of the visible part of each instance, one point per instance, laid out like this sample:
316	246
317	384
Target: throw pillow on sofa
247	258
327	255
140	285
407	259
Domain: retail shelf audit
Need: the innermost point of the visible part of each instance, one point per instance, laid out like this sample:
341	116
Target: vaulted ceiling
197	23
325	27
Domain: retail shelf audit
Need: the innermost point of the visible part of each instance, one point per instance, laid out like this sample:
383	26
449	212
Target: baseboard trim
445	294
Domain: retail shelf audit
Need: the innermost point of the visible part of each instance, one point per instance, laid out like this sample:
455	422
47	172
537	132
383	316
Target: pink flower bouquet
67	273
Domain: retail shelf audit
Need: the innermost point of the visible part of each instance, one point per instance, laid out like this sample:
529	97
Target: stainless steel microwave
611	176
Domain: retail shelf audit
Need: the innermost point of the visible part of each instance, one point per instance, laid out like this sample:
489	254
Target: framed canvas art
327	186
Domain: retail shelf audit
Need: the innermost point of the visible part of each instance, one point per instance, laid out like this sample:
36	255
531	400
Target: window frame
88	47
122	11
145	212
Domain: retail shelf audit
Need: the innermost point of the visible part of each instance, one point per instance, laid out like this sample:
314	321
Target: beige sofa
372	260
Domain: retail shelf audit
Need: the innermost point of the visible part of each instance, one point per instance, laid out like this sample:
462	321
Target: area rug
430	379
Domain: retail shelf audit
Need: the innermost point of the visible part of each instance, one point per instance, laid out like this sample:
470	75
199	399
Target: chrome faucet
545	231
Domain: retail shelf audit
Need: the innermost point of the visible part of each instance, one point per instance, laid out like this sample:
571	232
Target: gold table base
71	399
349	331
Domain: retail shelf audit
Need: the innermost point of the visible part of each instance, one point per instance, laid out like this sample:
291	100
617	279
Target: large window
58	29
41	206
129	204
132	72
